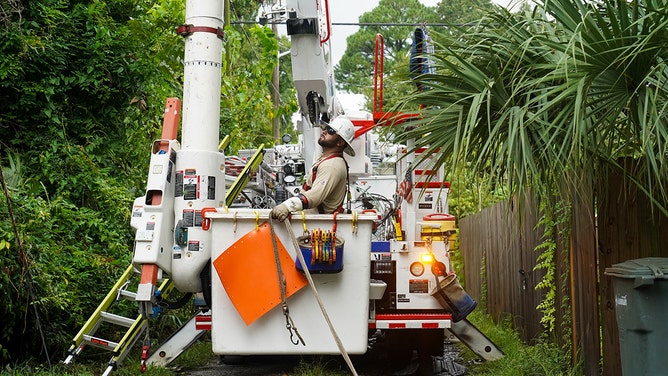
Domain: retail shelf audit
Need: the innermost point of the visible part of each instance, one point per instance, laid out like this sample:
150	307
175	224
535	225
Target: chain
289	324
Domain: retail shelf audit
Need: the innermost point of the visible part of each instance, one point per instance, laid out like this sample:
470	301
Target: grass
317	368
520	359
93	362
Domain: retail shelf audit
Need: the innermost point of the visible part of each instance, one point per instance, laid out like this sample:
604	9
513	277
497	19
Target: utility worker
326	185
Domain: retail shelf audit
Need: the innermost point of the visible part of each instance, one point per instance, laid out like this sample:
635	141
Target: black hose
174	305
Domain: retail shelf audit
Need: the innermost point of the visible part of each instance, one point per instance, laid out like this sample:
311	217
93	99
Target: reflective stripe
411	321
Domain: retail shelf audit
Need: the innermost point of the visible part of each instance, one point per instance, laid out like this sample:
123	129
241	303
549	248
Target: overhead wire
360	24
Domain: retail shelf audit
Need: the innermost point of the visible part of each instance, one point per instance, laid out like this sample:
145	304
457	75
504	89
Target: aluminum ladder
134	326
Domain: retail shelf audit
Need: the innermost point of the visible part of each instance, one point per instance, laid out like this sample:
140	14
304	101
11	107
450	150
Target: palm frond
534	97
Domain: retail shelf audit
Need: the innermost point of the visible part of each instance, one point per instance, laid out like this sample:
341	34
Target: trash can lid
644	268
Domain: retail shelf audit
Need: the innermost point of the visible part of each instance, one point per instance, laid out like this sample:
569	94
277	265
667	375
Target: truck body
386	279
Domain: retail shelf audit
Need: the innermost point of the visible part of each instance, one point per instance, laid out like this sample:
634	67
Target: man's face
328	138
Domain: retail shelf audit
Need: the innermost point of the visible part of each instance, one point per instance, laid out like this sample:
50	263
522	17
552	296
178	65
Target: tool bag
451	296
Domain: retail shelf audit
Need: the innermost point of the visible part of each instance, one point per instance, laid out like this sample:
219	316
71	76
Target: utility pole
226	23
275	93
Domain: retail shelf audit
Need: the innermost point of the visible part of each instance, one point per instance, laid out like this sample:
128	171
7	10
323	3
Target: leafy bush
69	255
75	146
82	92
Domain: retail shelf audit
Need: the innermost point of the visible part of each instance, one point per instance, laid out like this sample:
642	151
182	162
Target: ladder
135	326
251	166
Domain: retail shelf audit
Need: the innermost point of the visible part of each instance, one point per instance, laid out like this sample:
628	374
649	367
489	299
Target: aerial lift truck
274	288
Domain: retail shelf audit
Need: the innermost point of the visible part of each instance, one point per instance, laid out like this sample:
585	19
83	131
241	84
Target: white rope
342	349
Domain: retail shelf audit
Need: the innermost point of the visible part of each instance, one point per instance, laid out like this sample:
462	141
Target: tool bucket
324	260
451	296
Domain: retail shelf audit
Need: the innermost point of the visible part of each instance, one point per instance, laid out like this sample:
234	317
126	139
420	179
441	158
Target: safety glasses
330	130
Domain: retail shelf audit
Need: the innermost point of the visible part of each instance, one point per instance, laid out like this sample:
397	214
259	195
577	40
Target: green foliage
354	73
519	96
471	191
197	355
76	122
458	12
72	254
246	107
519	359
82	93
317	367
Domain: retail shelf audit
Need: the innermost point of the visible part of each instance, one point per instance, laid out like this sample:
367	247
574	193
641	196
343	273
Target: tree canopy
395	21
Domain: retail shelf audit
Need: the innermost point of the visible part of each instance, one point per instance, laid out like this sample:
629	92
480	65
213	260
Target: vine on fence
554	221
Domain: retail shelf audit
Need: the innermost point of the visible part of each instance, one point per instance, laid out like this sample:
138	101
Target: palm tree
560	92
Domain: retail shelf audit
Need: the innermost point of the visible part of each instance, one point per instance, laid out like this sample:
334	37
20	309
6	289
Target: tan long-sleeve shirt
330	185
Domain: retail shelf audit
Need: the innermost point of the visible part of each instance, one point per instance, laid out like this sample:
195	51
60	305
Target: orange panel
149	274
170	121
248	272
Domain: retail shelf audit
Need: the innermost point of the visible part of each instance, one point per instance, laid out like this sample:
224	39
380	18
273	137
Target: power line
364	23
394	24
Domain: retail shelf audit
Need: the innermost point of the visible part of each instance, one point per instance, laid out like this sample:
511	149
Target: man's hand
280	212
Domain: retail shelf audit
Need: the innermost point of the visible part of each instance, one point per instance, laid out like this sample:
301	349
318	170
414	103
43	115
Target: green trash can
641	306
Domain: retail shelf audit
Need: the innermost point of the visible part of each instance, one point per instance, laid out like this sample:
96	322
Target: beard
325	142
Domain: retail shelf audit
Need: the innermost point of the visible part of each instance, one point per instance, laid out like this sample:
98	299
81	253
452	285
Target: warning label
192	218
191	185
193	246
418	286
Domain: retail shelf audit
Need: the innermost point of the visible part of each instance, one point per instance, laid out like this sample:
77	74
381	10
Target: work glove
283	210
280	212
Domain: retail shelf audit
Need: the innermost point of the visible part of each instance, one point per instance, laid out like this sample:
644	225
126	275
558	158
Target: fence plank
584	289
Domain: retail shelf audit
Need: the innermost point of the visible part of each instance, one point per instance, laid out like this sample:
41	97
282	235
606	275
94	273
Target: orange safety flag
247	270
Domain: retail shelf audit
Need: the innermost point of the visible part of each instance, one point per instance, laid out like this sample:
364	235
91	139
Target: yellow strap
257	220
354	222
304	222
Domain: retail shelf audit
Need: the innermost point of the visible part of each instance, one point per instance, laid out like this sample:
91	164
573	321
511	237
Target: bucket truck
379	269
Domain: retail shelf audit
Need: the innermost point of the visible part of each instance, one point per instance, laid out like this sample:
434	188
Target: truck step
180	340
411	321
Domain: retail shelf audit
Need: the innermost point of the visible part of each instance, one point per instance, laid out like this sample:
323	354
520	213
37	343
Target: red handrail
378	69
329	24
380	117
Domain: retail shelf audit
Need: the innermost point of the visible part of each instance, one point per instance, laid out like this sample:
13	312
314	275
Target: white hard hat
346	130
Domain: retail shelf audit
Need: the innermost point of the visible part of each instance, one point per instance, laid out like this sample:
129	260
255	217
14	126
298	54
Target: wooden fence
498	246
